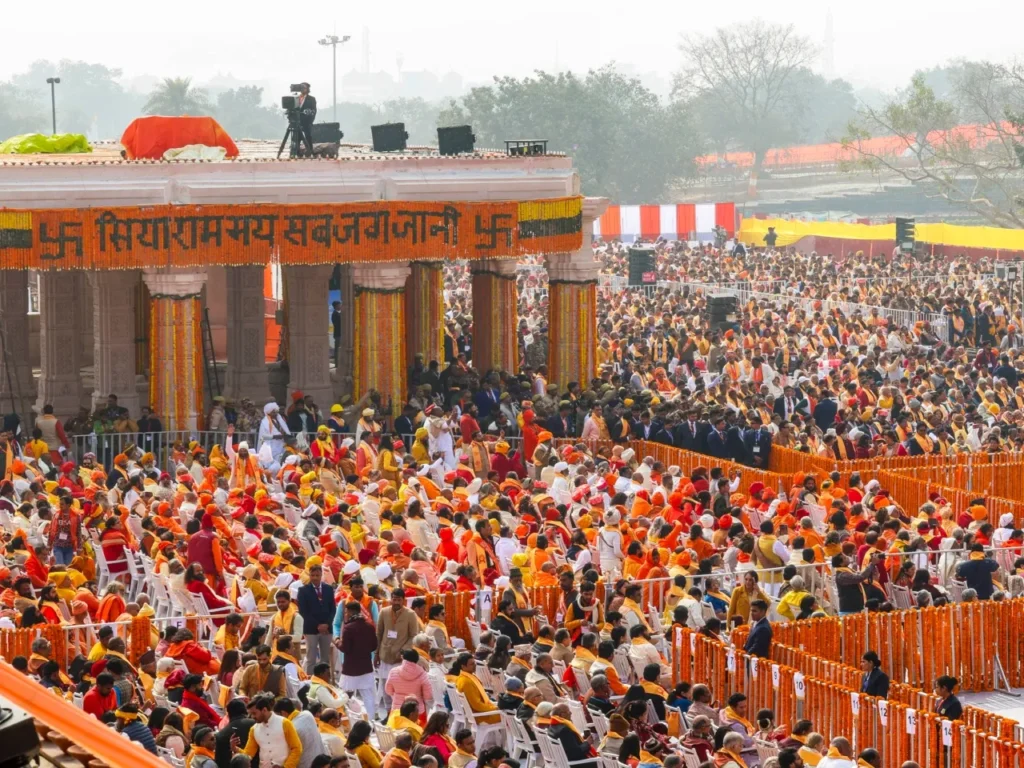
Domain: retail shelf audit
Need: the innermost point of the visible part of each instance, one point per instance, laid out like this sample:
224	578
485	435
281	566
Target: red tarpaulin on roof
150	137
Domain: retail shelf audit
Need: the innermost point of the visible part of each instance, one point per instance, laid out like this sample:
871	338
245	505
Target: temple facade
130	255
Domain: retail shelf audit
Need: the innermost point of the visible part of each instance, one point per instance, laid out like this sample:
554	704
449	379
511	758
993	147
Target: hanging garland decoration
197	236
424	311
379	355
175	360
573	329
495	321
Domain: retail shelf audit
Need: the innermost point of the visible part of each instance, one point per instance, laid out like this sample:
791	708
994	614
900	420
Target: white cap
383	571
352	566
561	467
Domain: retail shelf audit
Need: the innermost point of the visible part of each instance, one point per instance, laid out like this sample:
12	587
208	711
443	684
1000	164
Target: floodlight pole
334	41
53	81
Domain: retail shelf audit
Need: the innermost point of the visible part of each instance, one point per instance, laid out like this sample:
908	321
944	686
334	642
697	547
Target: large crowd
313	544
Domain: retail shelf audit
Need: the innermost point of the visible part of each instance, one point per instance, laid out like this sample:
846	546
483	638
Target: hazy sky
876	43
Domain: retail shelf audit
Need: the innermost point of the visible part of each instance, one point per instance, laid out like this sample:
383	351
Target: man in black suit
560	424
644	428
825	411
759	641
691	435
875	682
757	440
307	114
717	440
316	607
791	403
239	724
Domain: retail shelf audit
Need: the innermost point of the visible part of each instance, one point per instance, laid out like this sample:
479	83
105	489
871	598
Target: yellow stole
283	621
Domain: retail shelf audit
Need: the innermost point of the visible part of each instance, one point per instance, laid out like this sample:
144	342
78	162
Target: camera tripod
294	130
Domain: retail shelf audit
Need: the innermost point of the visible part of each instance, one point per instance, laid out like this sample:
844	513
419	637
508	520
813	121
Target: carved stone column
380	354
113	302
60	382
346	346
15	381
495	315
246	374
175	347
86	319
309	322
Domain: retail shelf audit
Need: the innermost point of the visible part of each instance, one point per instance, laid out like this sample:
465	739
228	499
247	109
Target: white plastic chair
765	749
483	731
385	737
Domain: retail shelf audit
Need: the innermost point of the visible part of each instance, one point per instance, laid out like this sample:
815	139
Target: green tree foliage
241	112
625	142
90	100
750	82
981	170
175	96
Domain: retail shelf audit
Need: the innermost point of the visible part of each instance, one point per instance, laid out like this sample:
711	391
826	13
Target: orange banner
234	235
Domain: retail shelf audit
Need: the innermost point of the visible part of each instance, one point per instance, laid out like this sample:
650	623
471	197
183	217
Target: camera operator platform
301	114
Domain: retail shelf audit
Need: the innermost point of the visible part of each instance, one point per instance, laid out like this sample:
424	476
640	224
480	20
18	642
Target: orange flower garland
235	235
572	334
424	312
175	360
495	321
380	356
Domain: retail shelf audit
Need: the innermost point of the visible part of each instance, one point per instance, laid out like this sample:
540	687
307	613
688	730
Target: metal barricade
107	445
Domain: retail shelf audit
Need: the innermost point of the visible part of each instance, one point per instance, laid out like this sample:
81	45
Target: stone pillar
309	322
60	381
175	347
572	306
495	315
424	312
15	382
346	346
113	295
86	318
380	355
246	374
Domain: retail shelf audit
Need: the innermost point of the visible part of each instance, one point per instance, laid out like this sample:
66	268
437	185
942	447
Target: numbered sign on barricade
883	711
911	721
799	687
947	733
752	660
776	676
693	642
730	660
855	703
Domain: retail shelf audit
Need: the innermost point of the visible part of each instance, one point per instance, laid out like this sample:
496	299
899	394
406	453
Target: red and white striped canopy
681	221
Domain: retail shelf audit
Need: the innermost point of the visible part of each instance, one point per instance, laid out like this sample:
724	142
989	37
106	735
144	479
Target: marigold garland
424	312
175	360
572	332
236	235
495	321
380	355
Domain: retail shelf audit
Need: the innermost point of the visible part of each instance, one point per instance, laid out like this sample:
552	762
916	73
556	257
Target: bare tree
746	75
968	150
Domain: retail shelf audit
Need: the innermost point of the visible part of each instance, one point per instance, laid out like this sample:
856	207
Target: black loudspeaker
455	139
327	133
19	735
390	137
723	311
642	267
